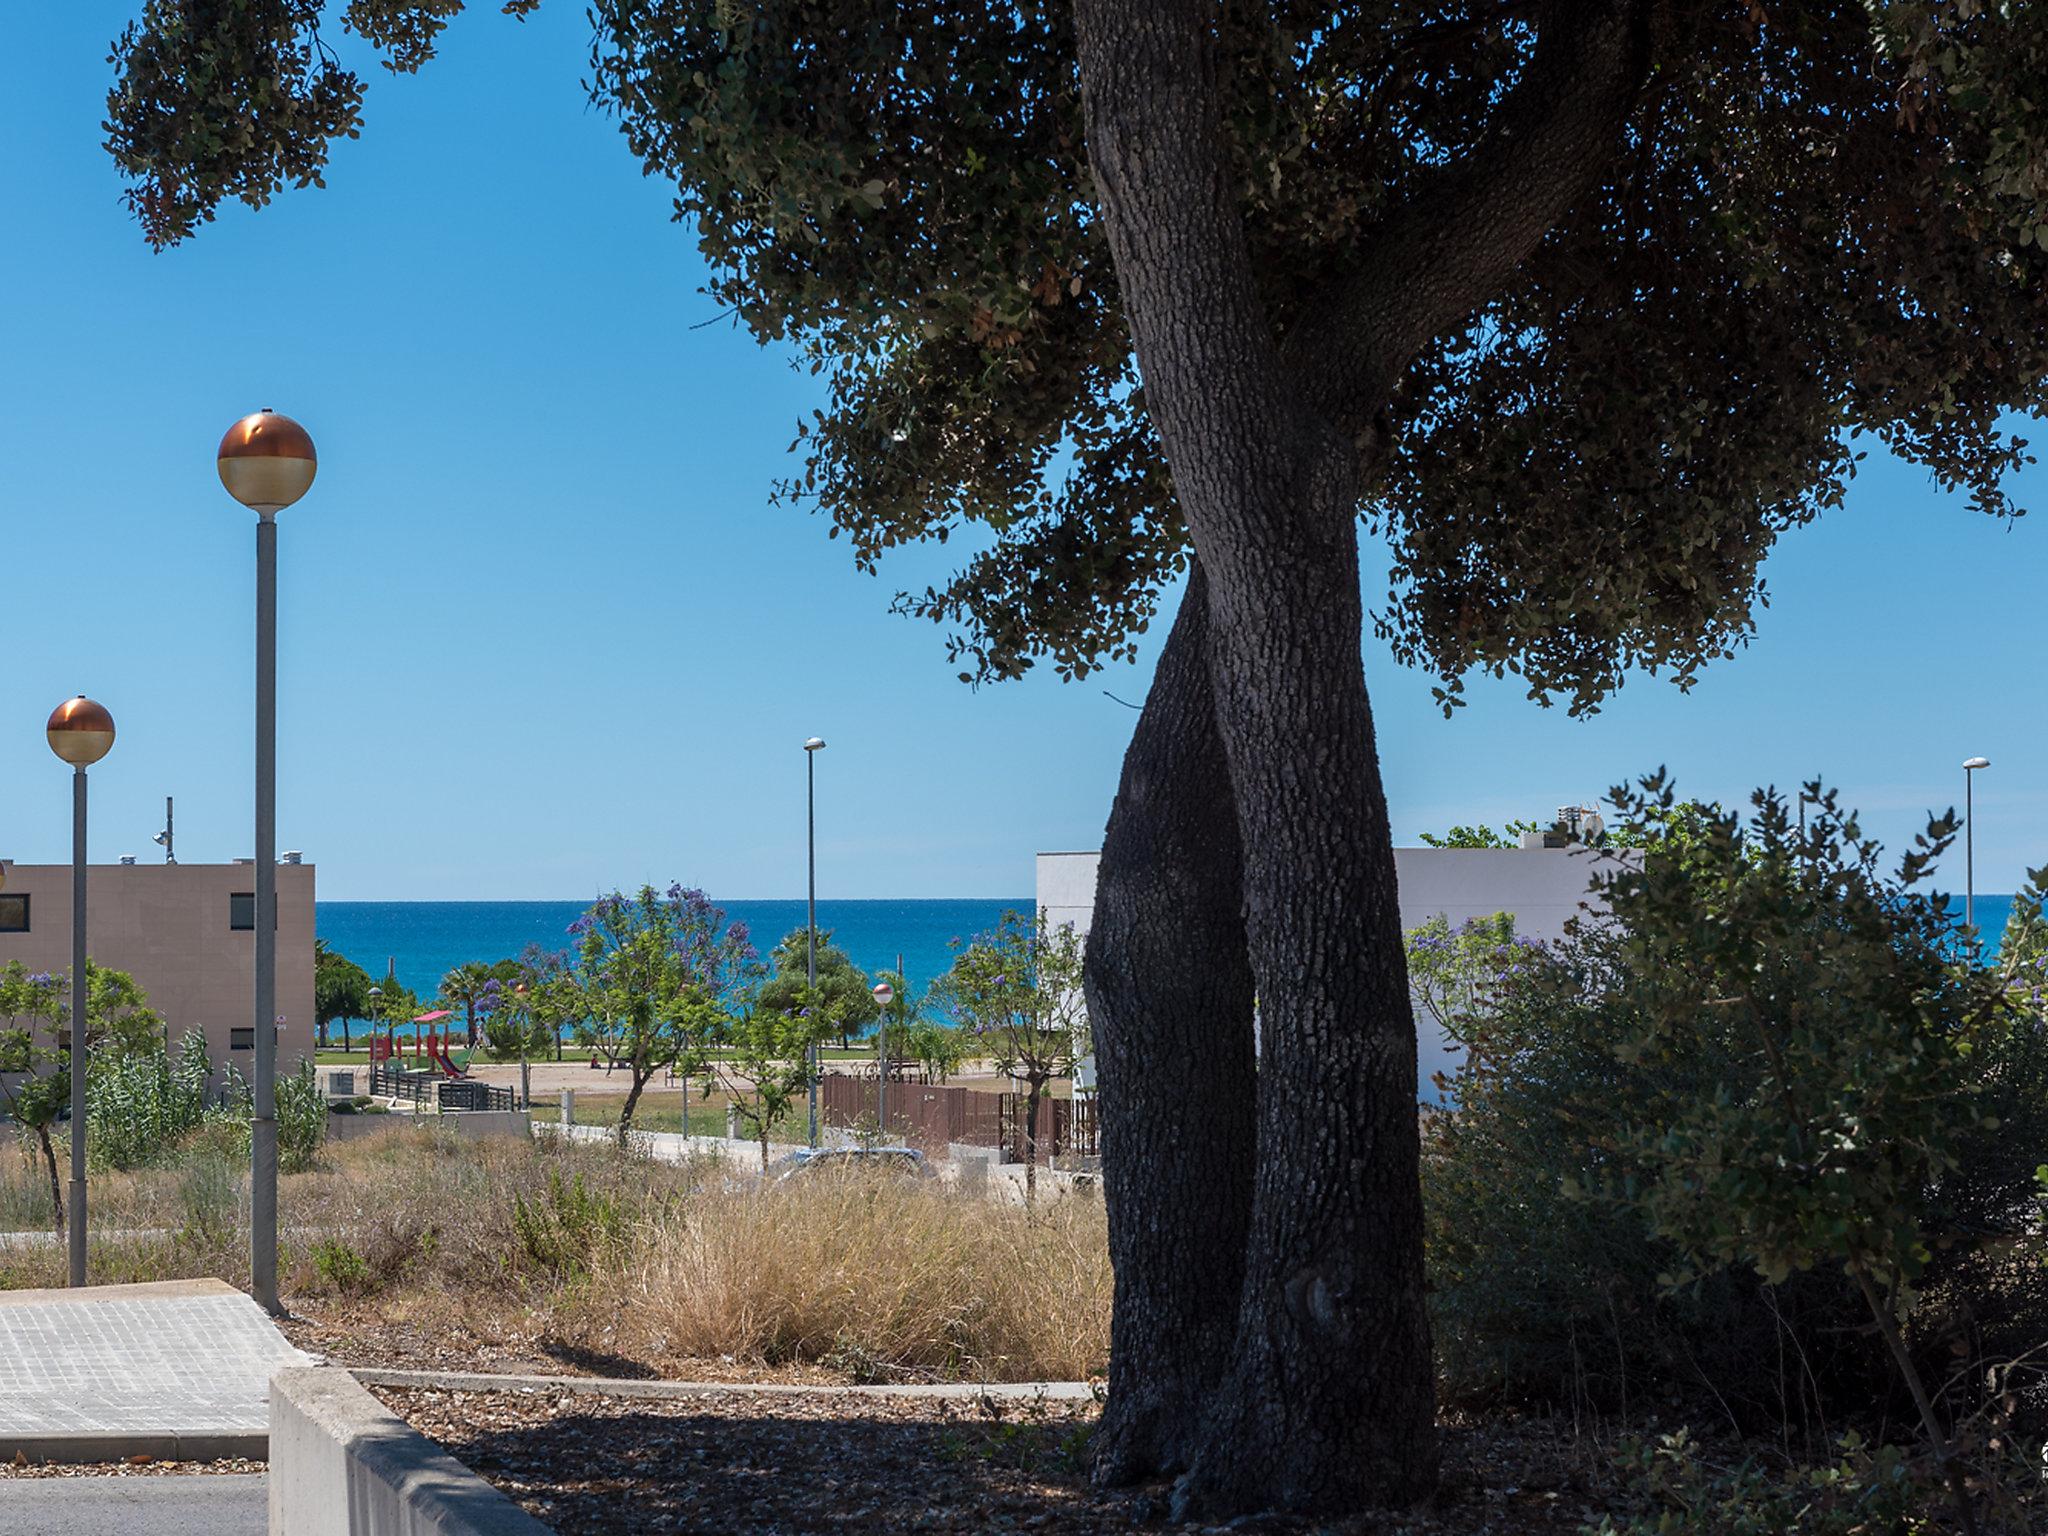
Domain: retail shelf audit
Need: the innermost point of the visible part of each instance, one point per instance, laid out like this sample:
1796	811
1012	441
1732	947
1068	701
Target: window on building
242	912
13	914
243	1039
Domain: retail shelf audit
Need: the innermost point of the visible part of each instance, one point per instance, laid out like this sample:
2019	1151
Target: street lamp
1970	767
519	991
884	996
81	733
812	748
267	462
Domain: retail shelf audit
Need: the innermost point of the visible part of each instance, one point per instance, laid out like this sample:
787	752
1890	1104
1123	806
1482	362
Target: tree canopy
1825	228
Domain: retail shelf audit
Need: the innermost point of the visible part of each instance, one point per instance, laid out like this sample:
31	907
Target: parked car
900	1160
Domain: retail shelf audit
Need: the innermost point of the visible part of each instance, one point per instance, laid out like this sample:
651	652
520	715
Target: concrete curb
157	1445
607	1386
342	1464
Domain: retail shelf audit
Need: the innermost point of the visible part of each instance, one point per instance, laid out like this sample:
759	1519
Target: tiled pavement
187	1357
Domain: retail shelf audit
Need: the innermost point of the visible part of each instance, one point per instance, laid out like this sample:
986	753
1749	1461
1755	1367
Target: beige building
186	933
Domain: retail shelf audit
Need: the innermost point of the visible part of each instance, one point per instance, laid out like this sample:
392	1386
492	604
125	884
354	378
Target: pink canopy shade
435	1017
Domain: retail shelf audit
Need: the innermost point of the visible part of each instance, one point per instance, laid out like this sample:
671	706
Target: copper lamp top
267	434
81	731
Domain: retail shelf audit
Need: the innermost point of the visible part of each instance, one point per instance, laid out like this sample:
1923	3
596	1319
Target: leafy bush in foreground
1718	1145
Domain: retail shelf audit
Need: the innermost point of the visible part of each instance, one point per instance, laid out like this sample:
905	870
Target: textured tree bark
1170	1001
1327	1405
56	1184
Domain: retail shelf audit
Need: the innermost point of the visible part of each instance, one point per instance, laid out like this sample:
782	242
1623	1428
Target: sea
421	941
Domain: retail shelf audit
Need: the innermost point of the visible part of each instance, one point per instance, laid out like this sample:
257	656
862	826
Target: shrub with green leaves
1862	1491
140	1105
1722	1140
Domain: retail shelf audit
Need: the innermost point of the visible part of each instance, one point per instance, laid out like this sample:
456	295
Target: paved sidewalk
175	1369
207	1504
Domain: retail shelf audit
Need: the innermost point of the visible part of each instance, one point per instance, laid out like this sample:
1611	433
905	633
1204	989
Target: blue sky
542	633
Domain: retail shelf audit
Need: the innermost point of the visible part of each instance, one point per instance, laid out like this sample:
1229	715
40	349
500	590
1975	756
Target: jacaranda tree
1577	305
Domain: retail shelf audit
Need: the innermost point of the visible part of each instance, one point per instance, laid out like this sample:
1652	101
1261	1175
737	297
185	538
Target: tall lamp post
884	996
81	733
267	462
1970	767
811	750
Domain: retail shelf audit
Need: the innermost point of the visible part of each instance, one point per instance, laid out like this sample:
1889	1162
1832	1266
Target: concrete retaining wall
342	1464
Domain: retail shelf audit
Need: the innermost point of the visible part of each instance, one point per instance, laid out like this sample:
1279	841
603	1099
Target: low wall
342	1464
469	1124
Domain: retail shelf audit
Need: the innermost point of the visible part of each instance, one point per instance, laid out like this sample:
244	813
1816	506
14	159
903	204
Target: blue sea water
424	940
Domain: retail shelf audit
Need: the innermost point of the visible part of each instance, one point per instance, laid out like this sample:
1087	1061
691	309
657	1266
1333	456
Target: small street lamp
812	748
519	992
81	733
884	996
1970	767
267	462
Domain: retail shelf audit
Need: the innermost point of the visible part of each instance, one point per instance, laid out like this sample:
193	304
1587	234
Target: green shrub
140	1103
340	1268
562	1231
1722	1142
1862	1492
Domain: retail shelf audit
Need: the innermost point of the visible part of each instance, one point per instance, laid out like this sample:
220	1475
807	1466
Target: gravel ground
832	1466
382	1336
139	1466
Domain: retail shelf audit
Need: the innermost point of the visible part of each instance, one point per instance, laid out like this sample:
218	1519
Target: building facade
1543	887
186	933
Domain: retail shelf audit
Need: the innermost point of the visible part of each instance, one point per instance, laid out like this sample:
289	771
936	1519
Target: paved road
134	1506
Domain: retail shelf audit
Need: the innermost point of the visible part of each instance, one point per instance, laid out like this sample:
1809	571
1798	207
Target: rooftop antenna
166	839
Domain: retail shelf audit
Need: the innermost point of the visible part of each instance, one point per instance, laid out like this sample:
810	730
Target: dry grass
641	1262
879	1276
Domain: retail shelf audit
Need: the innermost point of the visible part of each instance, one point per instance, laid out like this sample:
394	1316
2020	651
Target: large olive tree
1575	306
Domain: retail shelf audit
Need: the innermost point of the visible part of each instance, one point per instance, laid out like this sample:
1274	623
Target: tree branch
1458	238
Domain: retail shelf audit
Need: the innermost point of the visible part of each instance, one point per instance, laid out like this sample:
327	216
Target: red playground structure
431	1043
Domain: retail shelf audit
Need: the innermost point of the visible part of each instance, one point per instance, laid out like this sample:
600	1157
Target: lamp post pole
267	462
811	750
1970	767
80	733
884	995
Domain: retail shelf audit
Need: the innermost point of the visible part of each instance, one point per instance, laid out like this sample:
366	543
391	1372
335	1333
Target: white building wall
1543	887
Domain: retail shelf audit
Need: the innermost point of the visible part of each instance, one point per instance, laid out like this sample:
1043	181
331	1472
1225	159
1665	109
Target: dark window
242	912
243	1039
13	914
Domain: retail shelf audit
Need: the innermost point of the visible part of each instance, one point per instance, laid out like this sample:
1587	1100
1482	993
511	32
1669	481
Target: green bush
563	1231
340	1268
1690	1145
140	1104
1862	1492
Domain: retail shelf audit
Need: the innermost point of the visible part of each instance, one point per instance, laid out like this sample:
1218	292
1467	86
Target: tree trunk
56	1184
1329	1401
1170	1005
345	1045
1031	1141
632	1103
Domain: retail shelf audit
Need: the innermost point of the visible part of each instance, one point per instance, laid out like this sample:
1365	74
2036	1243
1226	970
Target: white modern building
1544	887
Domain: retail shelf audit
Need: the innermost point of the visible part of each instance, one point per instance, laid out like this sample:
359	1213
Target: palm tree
465	986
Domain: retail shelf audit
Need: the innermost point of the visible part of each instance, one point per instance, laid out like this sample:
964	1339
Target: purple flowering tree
660	974
1455	974
1015	993
35	1049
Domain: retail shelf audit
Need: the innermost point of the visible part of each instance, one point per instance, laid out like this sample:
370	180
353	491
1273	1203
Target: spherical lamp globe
80	731
267	462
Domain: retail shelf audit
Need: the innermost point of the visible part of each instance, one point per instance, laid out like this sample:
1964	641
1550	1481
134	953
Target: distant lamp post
81	733
1970	767
520	991
812	748
267	462
884	996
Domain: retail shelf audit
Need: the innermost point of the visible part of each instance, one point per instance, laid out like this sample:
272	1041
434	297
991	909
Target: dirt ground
832	1465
